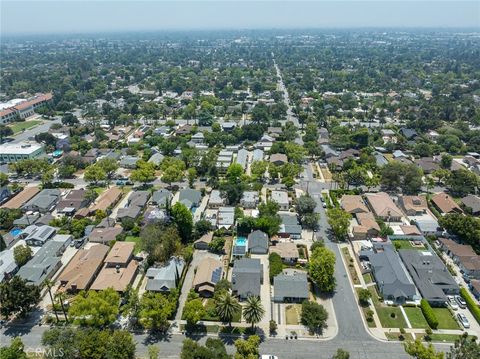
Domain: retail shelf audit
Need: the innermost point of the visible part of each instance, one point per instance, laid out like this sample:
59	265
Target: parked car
79	242
461	302
269	357
452	302
463	320
324	205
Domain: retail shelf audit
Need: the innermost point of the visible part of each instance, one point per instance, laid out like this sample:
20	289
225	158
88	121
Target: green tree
234	173
183	219
464	348
18	296
153	351
194	311
341	354
462	182
7	216
339	221
159	242
258	168
217	244
314	316
275	265
95	309
321	269
213	349
191	175
120	345
94	174
247	349
253	310
227	306
364	296
156	308
446	161
16	350
108	165
145	172
22	254
172	174
417	350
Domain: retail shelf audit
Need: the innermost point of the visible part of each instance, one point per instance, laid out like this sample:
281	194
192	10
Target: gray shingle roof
258	242
290	286
161	196
191	195
43	264
167	277
247	277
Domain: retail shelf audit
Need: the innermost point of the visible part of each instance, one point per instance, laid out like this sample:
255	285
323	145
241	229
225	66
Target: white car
463	320
269	356
452	302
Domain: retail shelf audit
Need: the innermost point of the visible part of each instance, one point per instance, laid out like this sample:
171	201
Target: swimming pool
16	232
241	241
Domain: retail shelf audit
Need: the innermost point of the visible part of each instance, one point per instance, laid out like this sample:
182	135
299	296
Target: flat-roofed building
13	152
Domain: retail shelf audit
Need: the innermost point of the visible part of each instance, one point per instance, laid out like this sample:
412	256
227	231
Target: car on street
266	356
461	302
452	302
463	320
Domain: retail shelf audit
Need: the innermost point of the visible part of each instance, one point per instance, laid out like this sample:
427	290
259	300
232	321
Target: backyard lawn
416	318
391	317
445	319
135	240
404	244
293	313
20	126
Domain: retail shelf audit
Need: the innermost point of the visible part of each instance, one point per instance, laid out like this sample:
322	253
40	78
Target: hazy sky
89	16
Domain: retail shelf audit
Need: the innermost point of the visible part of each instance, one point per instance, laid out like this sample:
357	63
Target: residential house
73	201
430	275
191	198
278	159
472	204
290	227
427	164
408	133
166	278
37	236
258	242
119	269
226	217
228	126
27	219
242	158
129	162
475	288
136	203
367	227
204	241
392	280
209	272
161	197
44	263
156	159
104	235
257	155
198	137
428	225
224	159
250	199
291	286
43	202
154	215
413	205
353	204
216	199
21	198
83	268
8	266
463	255
410	230
281	197
445	204
183	130
288	251
384	207
247	277
107	200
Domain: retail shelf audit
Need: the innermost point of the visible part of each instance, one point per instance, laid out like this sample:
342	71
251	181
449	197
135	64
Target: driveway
198	256
265	290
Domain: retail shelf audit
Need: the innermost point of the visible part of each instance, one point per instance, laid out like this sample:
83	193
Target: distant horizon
27	18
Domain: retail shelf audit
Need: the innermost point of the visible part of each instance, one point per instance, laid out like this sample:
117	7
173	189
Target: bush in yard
363	296
276	265
428	313
470	304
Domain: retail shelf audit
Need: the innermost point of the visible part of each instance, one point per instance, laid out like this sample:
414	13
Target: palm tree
226	307
61	300
253	311
49	285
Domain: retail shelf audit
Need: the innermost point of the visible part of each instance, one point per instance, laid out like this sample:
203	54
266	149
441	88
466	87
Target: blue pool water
241	241
15	232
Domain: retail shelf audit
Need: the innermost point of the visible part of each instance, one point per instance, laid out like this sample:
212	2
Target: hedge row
471	304
429	314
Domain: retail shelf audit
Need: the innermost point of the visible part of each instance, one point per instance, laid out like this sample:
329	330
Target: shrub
471	304
276	265
428	313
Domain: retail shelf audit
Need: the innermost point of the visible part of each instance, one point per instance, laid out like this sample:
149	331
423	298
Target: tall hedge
471	304
429	314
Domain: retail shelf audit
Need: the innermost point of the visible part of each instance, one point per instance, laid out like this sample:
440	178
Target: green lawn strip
367	277
405	244
99	190
396	336
20	126
374	292
416	318
351	267
385	315
445	319
444	337
135	240
201	328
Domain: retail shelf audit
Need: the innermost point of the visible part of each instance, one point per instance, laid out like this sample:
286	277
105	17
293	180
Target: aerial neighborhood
211	189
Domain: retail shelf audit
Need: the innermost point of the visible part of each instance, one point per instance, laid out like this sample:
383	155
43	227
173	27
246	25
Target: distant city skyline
44	17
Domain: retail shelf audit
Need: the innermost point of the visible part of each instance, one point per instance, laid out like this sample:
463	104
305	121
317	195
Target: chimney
117	268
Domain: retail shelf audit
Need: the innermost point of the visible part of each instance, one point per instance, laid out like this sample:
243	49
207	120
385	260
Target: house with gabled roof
167	277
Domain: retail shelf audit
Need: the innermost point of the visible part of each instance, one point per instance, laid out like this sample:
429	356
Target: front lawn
446	337
293	313
416	318
445	319
211	313
350	266
21	126
367	277
391	317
